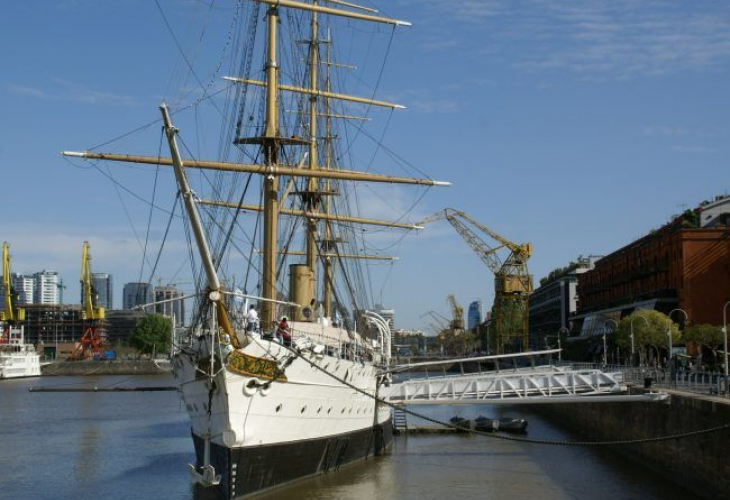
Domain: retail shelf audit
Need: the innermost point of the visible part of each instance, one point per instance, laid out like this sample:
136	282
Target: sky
578	126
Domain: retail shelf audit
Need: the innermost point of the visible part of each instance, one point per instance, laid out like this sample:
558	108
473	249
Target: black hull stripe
245	471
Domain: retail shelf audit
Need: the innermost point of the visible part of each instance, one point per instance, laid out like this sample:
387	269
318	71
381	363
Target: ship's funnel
301	291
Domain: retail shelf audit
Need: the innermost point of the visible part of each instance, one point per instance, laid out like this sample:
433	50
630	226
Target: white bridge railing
540	382
529	385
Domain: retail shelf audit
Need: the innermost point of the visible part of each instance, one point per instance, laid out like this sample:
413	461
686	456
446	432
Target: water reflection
137	445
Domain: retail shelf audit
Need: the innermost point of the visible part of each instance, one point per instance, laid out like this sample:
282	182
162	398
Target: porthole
304	408
319	409
278	408
343	410
329	410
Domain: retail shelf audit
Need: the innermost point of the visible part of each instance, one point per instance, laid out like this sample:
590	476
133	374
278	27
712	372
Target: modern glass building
102	283
136	294
474	316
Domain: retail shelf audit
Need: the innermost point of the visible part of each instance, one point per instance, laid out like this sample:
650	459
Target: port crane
457	313
10	314
512	281
91	341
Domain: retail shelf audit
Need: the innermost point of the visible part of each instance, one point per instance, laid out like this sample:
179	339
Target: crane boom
90	312
512	281
457	313
9	312
91	342
482	249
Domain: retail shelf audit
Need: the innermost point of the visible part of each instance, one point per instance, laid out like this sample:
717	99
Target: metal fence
684	380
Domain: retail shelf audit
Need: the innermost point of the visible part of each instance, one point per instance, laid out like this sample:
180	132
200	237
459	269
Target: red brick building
676	266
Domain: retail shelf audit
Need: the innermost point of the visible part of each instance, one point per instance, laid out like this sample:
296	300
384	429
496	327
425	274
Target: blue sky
578	126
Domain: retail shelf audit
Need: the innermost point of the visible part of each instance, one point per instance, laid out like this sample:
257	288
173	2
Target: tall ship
291	390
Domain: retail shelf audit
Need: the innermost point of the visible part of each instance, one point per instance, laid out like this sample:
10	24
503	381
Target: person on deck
252	319
283	332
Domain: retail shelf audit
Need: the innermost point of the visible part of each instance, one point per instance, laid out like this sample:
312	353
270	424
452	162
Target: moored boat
485	424
17	359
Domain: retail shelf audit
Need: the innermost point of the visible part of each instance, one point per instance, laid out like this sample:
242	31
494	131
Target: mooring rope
548	442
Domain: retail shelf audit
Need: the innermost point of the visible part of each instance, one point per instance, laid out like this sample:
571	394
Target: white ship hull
18	359
263	433
20	365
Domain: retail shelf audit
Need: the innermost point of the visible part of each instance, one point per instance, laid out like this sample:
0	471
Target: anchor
207	477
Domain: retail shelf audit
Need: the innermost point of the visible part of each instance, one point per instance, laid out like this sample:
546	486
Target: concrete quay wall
700	463
116	367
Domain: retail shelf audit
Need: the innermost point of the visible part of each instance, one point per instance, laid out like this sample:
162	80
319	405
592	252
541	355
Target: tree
704	335
152	334
649	333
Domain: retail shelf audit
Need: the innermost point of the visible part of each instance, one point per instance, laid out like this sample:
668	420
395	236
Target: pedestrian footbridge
416	384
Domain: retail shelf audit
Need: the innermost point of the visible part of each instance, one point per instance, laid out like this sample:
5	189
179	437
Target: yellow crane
512	281
10	313
91	341
457	313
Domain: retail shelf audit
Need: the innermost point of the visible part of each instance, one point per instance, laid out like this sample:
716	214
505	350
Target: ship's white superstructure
308	400
18	359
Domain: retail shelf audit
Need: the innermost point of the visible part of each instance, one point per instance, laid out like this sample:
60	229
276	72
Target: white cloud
616	40
63	90
425	101
692	149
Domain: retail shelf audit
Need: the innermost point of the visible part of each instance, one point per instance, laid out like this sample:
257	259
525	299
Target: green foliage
652	332
560	271
152	333
705	335
689	219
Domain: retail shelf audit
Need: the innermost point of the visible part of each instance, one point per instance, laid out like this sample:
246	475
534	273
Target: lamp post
560	353
669	336
724	333
605	349
669	329
632	335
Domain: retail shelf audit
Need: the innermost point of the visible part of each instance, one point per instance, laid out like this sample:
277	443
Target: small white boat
18	359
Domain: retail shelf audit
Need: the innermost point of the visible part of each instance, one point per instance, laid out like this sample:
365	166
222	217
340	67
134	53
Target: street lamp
632	335
560	352
605	349
669	336
724	332
669	330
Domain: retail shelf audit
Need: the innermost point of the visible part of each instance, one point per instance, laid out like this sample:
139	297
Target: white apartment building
24	287
46	287
174	308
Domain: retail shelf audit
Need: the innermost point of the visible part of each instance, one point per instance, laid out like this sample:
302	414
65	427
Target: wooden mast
270	182
310	198
328	262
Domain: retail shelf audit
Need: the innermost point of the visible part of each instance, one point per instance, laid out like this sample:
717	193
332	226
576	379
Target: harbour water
137	445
